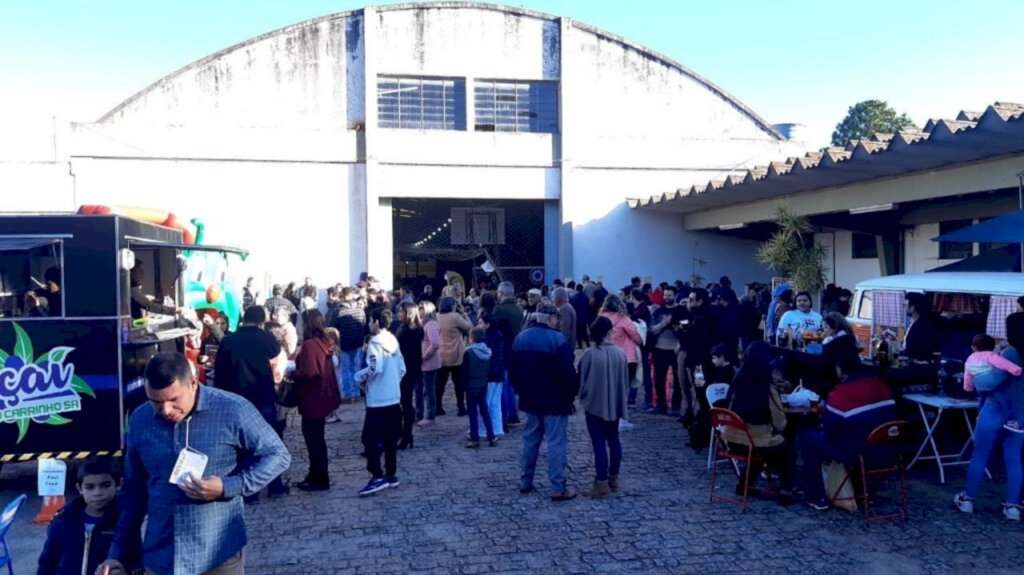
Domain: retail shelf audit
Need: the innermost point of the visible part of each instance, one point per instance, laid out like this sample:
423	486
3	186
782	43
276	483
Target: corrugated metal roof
972	136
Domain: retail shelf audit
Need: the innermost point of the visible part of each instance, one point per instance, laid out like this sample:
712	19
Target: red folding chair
725	418
889	434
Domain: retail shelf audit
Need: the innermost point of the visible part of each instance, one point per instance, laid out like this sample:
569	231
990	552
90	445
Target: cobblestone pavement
458	511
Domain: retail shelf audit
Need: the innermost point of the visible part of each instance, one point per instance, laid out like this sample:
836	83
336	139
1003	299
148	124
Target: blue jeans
477	406
494	390
350	360
604	435
988	431
813	451
551	429
269	414
509	405
427	392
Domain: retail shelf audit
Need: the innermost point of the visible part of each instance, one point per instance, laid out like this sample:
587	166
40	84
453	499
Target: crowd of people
514	359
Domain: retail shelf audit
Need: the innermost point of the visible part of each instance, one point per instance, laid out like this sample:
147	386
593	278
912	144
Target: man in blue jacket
859	404
542	372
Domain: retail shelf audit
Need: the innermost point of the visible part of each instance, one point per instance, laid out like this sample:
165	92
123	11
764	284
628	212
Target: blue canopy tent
1006	229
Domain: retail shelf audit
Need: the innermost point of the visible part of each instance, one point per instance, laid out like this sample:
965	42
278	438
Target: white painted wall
293	218
844	270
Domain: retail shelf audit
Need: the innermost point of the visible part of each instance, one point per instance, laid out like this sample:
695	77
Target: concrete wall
844	270
291	217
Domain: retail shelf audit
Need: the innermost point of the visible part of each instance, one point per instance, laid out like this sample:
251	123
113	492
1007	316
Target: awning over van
23	243
1004	259
1006	229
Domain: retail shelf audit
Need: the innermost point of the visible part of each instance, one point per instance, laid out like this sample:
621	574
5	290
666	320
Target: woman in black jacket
410	343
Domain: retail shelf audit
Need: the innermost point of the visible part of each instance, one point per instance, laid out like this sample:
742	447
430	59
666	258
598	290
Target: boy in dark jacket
79	538
476	365
496	374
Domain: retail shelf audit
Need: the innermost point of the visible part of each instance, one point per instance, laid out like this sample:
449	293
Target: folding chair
715	392
6	519
889	434
725	418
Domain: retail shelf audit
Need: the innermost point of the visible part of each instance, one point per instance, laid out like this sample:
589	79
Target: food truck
72	356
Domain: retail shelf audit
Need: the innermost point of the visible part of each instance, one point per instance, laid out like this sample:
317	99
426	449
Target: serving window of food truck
31	276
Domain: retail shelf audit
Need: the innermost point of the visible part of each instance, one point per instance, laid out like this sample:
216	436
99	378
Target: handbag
832	473
288	394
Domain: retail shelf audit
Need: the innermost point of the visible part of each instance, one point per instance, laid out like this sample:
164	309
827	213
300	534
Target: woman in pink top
431	348
624	334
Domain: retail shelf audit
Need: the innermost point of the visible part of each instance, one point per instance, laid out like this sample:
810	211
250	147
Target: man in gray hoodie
382	427
476	365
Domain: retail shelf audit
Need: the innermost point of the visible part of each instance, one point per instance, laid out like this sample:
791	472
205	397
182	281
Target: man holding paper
193	452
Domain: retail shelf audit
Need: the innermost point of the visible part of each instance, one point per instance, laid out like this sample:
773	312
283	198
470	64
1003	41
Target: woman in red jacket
317	389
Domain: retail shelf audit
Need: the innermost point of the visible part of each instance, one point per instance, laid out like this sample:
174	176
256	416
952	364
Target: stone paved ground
458	511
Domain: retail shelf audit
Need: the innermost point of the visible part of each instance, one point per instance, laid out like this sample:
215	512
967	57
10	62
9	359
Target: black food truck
73	342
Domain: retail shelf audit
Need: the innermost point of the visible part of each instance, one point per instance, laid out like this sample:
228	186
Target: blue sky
789	60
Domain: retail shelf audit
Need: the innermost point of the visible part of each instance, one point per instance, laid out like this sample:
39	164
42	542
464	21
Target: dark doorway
433	237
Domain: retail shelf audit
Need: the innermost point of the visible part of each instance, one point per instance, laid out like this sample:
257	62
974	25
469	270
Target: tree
867	118
792	252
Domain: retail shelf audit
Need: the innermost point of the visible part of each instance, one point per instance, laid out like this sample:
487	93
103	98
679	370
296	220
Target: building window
516	106
421	103
864	247
954	250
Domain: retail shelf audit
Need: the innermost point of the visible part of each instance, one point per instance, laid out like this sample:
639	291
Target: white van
970	301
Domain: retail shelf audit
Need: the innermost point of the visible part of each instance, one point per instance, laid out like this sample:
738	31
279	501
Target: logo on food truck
38	388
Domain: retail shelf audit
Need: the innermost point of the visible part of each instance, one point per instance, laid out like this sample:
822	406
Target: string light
433	234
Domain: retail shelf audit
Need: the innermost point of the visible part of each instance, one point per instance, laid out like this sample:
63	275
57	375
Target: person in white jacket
382	427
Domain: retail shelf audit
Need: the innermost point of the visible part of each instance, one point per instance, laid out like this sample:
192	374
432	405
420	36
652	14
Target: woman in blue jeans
604	389
995	410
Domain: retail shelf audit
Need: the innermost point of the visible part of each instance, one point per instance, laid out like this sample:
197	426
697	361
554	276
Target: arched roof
708	84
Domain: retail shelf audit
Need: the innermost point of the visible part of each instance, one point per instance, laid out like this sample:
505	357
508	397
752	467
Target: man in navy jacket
859	404
542	372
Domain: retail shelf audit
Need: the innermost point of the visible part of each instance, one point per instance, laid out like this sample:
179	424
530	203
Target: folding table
942	403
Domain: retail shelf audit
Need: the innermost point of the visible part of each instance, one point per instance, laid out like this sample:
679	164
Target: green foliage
790	251
867	118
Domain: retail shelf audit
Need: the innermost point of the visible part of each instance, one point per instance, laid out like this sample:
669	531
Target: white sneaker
333	418
965	503
625	425
1011	512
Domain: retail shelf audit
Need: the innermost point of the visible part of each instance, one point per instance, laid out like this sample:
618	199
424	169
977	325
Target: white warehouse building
407	139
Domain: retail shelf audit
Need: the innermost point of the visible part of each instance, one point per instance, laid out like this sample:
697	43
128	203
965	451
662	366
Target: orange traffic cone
51	506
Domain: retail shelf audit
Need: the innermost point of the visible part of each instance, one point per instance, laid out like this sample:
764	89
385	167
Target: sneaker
308	485
819	505
278	494
472	444
625	425
333	418
527	490
425	423
613	483
513	421
1014	426
1011	512
392	481
675	413
493	442
373	486
963	502
657	410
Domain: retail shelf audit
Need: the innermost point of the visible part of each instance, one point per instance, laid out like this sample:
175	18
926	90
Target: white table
940	404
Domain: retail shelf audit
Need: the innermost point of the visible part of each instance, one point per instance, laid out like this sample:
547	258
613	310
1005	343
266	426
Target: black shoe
440	412
252	499
279	494
527	490
462	412
314	485
405	443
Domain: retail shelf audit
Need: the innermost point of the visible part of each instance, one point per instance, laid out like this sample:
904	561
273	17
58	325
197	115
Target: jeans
604	435
350	360
428	393
270	416
988	431
493	407
812	449
631	370
509	405
664	359
551	429
408	414
381	430
316	445
645	364
477	404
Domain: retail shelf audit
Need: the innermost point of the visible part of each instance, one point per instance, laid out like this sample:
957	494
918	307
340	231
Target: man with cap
277	301
533	298
542	371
